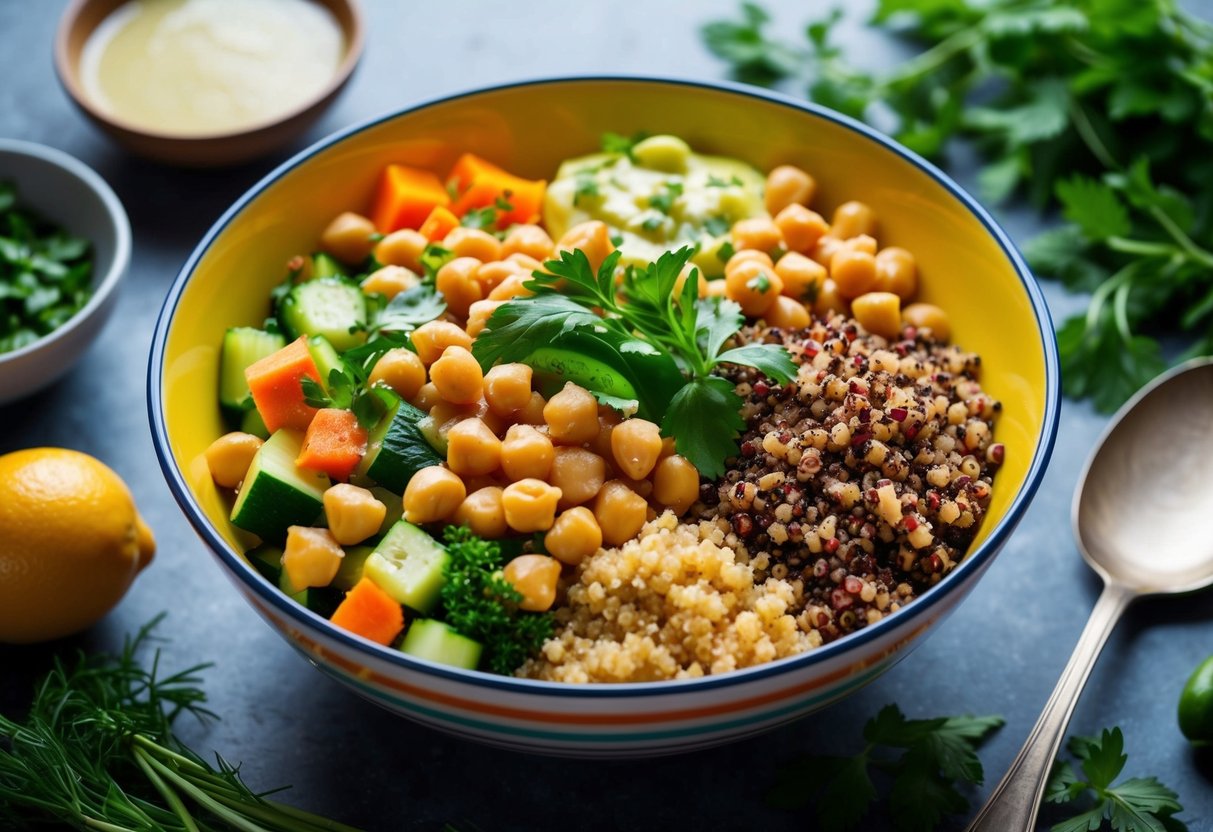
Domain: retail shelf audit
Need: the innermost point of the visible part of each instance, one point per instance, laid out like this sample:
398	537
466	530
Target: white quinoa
673	603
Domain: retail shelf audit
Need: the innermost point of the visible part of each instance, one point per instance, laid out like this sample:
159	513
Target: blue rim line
972	562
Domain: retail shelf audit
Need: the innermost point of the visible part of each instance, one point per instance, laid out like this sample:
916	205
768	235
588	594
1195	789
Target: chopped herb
716	182
489	217
586	186
482	605
923	759
652	222
45	274
615	143
759	283
717	226
726	251
617	239
664	201
433	258
346	391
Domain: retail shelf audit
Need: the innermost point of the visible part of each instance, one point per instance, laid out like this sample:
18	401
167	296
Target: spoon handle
1016	800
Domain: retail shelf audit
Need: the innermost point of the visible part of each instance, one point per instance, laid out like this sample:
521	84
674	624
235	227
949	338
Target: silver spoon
1141	516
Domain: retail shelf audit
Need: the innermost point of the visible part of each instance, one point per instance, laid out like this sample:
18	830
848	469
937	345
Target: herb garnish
45	274
1100	109
615	143
704	414
924	759
483	605
97	752
1139	804
346	391
487	218
663	201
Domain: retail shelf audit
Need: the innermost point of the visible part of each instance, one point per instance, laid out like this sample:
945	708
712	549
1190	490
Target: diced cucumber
251	422
326	358
329	306
396	449
277	493
350	571
408	565
325	265
432	431
288	589
267	560
428	638
242	346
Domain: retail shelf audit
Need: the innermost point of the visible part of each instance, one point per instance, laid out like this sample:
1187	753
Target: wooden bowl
82	18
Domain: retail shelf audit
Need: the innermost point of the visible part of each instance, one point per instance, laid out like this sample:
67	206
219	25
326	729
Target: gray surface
1000	653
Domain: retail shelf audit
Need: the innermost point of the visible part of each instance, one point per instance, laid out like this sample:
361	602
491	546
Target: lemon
71	543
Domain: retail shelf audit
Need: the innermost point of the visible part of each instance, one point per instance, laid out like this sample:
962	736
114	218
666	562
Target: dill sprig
97	752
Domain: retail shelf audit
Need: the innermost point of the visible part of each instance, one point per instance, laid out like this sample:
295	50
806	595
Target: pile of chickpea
821	267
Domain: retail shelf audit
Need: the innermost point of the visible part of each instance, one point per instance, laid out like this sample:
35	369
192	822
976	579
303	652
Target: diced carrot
480	184
276	383
334	443
370	612
406	196
438	224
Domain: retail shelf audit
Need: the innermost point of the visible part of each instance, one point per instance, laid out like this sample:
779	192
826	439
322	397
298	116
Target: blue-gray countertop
1001	652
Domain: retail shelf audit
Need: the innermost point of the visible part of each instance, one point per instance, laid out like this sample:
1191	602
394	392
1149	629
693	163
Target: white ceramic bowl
64	190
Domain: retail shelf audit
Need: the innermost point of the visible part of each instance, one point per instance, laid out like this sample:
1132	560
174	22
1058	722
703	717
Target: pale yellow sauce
205	67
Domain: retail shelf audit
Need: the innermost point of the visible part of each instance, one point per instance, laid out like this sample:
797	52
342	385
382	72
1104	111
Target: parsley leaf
344	391
1139	804
615	143
409	310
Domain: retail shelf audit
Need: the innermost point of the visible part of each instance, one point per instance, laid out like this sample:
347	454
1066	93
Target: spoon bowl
1141	506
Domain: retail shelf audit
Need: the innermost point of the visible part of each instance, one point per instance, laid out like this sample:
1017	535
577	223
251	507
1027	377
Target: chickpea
402	248
574	536
526	454
507	388
479	314
878	313
800	227
788	185
348	237
526	262
928	316
620	512
668	447
353	513
472	448
862	242
513	286
457	376
787	313
530	505
457	282
896	272
482	512
748	254
676	484
830	300
491	275
532	414
535	577
754	286
635	446
593	238
756	232
571	415
530	240
389	281
431	340
426	397
601	444
433	495
852	219
230	456
827	246
853	271
473	242
401	370
802	277
578	473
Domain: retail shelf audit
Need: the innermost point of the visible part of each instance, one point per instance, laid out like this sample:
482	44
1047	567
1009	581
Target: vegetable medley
701	429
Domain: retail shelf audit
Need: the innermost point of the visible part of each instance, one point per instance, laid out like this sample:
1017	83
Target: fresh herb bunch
925	759
1102	109
704	414
97	752
483	605
45	274
1139	804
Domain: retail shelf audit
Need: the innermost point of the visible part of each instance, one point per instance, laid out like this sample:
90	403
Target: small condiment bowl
65	191
81	19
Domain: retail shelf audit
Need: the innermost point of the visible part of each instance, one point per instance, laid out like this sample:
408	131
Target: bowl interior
528	129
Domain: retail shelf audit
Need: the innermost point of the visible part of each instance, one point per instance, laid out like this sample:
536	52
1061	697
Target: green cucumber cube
408	565
277	494
431	639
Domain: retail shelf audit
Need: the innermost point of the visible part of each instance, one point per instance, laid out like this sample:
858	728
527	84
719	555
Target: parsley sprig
704	414
1100	109
923	760
1138	804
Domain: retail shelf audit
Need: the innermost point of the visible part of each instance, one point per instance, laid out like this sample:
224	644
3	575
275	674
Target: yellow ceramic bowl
968	266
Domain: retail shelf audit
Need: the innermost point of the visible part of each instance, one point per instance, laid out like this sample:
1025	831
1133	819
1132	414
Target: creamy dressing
207	67
660	197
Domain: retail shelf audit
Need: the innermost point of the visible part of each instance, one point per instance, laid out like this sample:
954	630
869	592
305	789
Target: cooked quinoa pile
673	603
